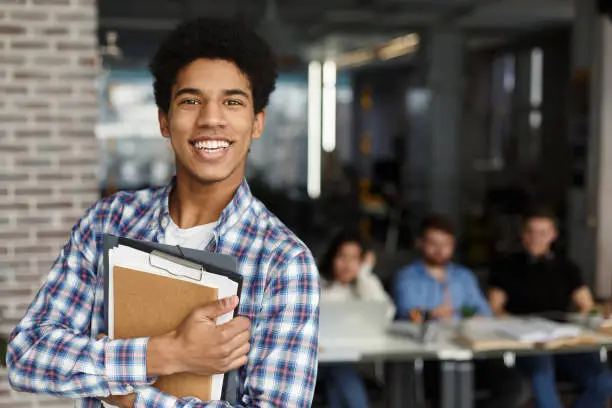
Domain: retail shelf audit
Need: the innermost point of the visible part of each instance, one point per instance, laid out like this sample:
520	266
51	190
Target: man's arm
282	365
497	301
498	297
409	294
582	297
51	351
475	296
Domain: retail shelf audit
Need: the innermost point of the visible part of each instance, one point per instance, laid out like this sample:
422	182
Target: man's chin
203	178
436	262
211	179
209	173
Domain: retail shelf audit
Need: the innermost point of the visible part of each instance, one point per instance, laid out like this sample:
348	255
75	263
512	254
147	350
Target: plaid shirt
54	349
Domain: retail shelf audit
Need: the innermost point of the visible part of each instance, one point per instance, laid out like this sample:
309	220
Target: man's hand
201	347
121	401
442	312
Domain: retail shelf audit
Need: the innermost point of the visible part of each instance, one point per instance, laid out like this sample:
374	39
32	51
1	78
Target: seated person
345	276
441	288
538	281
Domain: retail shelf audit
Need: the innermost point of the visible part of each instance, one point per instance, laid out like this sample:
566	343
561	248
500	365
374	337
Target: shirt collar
423	270
549	256
230	215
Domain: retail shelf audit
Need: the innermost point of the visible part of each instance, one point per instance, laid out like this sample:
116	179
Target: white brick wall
48	154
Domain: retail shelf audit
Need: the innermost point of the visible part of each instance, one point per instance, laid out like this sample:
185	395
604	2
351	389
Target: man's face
437	247
538	235
211	121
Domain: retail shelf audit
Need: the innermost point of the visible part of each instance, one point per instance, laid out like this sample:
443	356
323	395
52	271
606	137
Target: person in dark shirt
538	281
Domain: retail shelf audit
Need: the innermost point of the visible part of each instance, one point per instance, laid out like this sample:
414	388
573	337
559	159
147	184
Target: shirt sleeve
574	276
406	295
369	287
475	296
497	276
282	364
51	352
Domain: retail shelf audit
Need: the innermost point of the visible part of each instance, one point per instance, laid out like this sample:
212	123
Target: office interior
385	111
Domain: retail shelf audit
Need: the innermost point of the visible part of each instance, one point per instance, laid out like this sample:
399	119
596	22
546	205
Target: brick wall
48	154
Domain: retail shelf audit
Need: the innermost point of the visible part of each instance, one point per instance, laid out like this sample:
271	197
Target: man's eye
234	102
189	102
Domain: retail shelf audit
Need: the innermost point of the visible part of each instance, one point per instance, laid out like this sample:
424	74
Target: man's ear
258	126
555	235
164	127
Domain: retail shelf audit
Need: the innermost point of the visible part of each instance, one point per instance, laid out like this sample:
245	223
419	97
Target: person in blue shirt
435	285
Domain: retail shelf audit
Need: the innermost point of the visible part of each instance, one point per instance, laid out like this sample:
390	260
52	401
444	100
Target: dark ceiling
325	28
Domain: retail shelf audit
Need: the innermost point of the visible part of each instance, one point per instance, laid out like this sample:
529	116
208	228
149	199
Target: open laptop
352	319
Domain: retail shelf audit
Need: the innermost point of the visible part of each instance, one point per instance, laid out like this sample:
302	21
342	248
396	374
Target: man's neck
438	272
540	255
192	203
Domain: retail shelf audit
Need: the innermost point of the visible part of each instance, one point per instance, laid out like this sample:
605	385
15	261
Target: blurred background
469	108
385	111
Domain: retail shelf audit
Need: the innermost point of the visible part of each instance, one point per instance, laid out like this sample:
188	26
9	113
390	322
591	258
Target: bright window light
537	62
329	106
313	184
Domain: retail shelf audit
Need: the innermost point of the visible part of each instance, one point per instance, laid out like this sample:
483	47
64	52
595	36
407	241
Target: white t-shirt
193	238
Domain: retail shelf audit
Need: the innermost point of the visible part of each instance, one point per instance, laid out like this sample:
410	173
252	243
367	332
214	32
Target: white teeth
211	144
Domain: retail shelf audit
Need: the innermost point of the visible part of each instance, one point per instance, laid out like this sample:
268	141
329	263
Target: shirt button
164	223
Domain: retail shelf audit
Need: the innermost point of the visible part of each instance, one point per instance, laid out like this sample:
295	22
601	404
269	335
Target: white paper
536	330
131	258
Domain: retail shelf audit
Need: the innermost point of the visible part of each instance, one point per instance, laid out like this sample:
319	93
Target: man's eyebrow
235	92
226	92
191	91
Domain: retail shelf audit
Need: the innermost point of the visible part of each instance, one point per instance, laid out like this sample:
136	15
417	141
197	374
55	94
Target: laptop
352	319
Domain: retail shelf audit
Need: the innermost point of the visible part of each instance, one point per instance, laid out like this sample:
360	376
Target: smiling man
213	80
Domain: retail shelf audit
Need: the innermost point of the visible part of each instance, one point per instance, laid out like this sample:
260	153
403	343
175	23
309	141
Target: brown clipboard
148	305
182	295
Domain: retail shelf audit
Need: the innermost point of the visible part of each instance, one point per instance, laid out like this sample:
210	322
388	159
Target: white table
397	352
456	362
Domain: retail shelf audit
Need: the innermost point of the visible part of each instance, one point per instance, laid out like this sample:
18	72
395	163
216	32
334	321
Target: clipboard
159	276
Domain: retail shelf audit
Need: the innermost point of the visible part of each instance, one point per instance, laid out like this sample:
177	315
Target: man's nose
211	115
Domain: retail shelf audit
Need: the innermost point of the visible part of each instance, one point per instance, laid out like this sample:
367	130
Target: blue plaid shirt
54	349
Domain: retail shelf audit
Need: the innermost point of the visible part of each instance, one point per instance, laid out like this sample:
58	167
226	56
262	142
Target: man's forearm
152	397
81	366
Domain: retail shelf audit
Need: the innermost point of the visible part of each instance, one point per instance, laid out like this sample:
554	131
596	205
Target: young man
212	82
538	281
436	285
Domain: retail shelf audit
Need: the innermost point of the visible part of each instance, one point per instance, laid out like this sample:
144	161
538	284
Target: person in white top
346	274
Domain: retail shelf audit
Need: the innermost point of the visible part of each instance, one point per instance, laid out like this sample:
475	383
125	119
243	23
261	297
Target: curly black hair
326	264
214	38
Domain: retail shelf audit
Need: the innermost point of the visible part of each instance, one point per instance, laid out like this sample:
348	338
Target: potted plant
466	312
